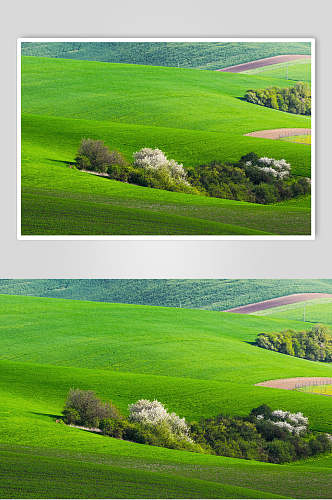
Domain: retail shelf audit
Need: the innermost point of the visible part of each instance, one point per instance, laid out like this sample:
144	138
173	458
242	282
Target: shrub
85	408
156	160
154	413
95	156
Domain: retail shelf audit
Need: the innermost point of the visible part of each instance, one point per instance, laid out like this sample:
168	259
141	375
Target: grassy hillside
201	294
315	311
297	70
202	55
125	352
195	117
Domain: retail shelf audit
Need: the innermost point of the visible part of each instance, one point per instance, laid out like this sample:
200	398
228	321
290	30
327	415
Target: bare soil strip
277	133
278	301
259	63
291	383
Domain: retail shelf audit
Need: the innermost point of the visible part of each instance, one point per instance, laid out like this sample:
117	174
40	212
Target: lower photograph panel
166	388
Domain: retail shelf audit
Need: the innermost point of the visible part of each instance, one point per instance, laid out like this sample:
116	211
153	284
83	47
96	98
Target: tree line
252	179
315	344
267	435
295	99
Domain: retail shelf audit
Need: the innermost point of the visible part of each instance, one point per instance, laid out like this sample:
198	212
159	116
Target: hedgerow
268	435
253	179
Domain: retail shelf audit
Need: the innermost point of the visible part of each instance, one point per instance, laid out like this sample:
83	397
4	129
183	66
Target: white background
166	259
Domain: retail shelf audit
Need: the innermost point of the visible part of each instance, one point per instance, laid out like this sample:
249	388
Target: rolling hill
211	294
298	70
314	311
201	55
194	116
191	360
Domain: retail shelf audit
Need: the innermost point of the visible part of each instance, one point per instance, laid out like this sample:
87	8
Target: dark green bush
95	156
86	409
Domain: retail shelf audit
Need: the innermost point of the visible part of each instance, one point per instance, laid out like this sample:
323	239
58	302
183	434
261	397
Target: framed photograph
145	389
166	138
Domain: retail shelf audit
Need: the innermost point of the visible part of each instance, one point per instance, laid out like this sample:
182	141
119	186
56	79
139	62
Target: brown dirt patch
278	301
277	133
291	383
259	63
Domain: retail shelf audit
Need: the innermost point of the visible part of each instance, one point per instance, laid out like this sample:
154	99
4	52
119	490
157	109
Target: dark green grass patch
53	478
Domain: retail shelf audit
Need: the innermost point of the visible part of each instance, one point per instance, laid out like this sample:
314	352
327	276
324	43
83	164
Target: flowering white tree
278	168
154	413
295	423
155	159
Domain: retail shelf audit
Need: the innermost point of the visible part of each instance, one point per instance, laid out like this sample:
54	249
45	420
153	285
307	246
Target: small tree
95	156
154	413
85	408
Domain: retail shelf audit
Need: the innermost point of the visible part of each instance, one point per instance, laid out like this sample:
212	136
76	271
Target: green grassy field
194	116
297	70
191	360
315	311
211	294
202	55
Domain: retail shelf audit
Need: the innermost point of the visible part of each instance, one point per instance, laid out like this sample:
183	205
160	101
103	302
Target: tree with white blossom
154	413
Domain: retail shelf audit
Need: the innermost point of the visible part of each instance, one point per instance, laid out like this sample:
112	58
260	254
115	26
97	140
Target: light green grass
297	70
302	139
316	311
194	116
197	362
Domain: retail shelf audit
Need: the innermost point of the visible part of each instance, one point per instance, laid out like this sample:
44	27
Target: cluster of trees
271	436
315	344
150	168
148	422
253	179
295	99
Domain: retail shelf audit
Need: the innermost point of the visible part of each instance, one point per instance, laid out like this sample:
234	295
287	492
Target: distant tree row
295	99
270	436
252	179
315	344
